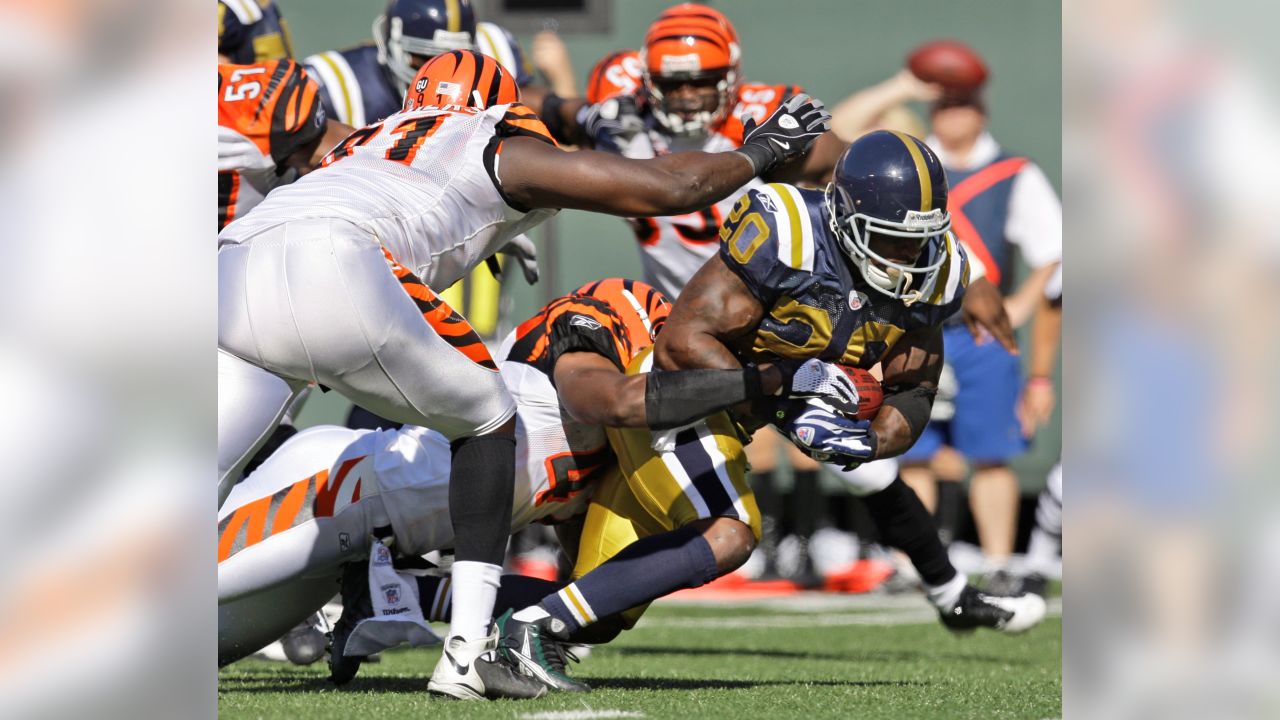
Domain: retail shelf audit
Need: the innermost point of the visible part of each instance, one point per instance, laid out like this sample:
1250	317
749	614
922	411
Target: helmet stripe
922	170
454	14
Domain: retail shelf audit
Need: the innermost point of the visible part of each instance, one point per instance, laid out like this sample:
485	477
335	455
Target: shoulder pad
341	85
952	278
246	11
768	240
497	42
519	119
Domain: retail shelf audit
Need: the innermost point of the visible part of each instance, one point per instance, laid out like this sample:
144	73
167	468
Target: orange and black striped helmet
462	77
692	42
643	308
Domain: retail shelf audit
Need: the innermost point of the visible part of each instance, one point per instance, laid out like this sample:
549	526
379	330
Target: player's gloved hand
610	121
826	436
522	250
786	134
819	379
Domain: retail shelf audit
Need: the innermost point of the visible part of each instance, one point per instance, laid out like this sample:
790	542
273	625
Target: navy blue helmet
422	28
889	186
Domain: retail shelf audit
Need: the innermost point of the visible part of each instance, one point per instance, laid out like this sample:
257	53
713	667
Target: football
870	391
951	64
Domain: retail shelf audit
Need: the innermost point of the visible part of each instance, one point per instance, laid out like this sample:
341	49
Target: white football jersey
423	183
672	248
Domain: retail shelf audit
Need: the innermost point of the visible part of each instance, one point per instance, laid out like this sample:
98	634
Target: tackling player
864	273
330	281
271	129
314	504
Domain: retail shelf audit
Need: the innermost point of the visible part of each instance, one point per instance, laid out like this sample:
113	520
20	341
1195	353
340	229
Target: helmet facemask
703	121
397	51
897	280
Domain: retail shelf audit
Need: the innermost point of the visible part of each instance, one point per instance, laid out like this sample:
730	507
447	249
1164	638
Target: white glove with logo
829	437
822	380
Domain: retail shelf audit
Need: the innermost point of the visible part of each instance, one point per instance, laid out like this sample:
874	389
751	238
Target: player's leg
423	364
251	402
696	494
1045	547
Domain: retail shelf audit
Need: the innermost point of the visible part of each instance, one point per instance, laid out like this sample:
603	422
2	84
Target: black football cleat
356	606
539	649
1009	614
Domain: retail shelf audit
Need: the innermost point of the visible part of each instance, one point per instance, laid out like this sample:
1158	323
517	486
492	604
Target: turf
816	658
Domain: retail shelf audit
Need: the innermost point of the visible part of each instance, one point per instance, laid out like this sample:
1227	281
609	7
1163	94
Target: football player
313	505
863	273
252	31
271	129
329	280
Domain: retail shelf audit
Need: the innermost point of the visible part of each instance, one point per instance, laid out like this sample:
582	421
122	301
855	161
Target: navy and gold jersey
355	87
252	31
779	241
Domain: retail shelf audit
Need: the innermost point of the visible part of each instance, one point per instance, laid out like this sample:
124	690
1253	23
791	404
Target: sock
770	504
475	590
947	514
517	591
1046	536
480	496
905	524
945	596
645	570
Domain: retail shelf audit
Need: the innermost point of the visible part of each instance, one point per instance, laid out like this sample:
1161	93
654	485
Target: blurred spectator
998	201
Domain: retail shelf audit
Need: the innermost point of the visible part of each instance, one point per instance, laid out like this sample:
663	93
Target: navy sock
645	570
906	525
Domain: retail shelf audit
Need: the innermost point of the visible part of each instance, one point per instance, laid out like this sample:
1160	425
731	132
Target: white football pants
320	301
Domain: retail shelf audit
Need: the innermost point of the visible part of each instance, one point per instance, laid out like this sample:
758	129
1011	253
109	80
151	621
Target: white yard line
587	714
819	610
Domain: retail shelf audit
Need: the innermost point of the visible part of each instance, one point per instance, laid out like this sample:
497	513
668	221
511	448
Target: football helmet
643	308
425	28
889	186
462	77
695	43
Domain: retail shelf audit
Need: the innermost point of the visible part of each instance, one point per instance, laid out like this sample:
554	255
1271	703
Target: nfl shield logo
392	593
381	555
805	435
855	300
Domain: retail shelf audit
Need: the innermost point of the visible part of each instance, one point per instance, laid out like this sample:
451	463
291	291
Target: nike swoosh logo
462	669
783	145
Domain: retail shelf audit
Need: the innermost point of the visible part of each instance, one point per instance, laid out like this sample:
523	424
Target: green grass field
815	656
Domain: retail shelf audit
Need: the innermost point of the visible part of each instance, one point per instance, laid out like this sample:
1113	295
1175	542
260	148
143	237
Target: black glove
610	120
786	134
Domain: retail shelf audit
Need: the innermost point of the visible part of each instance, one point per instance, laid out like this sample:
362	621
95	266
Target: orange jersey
266	112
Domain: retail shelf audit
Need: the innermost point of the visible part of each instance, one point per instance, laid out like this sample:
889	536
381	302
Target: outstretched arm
535	174
911	372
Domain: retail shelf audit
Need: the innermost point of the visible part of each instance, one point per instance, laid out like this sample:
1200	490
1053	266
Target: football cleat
977	609
539	649
475	671
356	606
305	643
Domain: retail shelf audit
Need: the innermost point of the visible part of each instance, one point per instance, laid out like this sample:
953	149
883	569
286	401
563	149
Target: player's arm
595	391
714	312
308	157
911	371
535	174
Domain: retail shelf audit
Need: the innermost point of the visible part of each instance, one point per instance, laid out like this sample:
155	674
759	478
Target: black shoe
977	609
538	647
475	670
356	606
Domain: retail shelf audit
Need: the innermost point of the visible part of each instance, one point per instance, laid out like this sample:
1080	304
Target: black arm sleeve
914	402
675	398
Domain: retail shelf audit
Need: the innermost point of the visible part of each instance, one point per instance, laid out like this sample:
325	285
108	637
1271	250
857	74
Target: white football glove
829	437
522	250
822	380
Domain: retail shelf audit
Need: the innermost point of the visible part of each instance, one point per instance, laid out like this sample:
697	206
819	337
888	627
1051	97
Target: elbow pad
675	398
915	403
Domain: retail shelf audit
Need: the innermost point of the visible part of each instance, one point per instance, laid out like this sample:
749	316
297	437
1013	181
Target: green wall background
832	48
